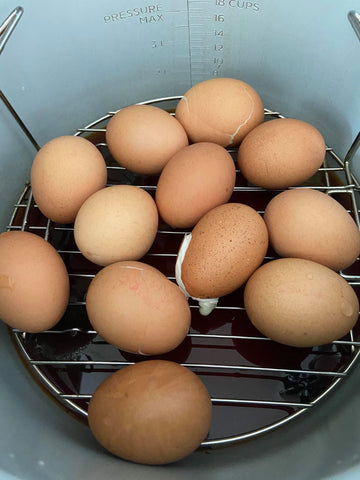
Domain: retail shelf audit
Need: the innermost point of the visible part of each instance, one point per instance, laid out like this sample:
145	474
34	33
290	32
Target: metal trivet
255	384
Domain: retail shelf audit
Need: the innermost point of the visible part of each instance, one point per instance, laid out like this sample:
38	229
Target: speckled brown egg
300	303
310	224
34	284
153	412
116	223
220	110
196	179
226	246
136	308
281	153
142	138
64	173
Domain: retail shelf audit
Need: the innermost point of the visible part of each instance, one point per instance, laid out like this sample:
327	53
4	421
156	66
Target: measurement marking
198	44
189	40
201	47
203	34
179	42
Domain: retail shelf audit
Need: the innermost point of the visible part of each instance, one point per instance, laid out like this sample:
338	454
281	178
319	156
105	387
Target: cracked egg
224	248
220	110
135	307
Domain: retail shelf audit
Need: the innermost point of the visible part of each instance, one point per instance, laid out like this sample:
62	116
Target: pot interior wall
67	64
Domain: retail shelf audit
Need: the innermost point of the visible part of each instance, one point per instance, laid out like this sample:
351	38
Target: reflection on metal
354	19
7	27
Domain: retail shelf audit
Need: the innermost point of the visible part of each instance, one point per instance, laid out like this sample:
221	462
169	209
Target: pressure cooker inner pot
256	385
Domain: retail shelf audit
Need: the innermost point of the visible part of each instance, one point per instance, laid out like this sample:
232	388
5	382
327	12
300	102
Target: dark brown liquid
222	383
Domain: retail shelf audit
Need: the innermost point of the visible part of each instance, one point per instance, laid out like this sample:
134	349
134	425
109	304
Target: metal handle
8	26
6	29
354	19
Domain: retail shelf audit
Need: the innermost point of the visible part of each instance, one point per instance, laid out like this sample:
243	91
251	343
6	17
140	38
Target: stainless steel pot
64	66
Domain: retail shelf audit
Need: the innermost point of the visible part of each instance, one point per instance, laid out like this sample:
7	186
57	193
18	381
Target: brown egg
136	308
196	179
220	110
224	248
64	173
306	223
34	284
116	223
281	153
153	412
300	303
142	138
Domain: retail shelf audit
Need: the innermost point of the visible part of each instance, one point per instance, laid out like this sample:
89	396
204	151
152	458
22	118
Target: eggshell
142	138
281	153
136	308
116	223
300	303
227	245
64	173
34	284
309	224
153	412
220	110
196	179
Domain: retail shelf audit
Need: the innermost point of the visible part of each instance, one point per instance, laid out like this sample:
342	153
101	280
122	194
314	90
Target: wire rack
256	385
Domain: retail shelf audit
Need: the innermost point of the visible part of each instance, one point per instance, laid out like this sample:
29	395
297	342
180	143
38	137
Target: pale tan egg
142	138
300	303
136	308
309	224
196	179
34	284
222	251
220	110
116	223
64	173
153	412
281	153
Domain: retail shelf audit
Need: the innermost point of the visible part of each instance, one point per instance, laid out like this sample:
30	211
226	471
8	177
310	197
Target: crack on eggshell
179	260
139	351
187	103
206	305
200	120
6	282
232	136
131	267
